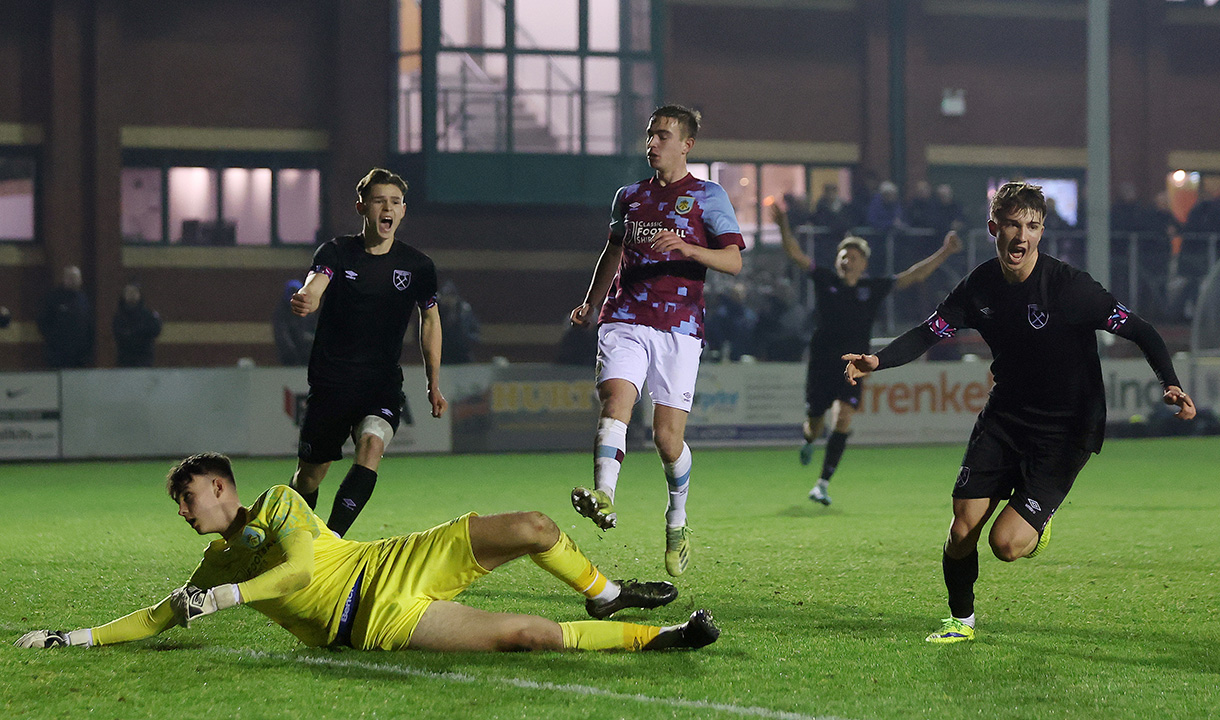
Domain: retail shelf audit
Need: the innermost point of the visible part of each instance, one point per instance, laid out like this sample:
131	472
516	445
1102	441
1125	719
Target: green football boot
677	550
1044	540
953	630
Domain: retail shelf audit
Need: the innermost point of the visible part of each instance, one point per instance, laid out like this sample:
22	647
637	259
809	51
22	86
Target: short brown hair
858	243
208	463
379	176
687	118
1017	195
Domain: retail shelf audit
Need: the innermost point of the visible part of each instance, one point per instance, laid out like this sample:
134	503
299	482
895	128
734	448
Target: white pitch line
743	710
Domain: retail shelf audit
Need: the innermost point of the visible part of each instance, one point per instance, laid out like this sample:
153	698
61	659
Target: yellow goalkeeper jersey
282	543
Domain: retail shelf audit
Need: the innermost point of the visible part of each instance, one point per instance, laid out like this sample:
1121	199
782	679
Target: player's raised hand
580	316
303	303
190	602
55	638
953	243
1176	396
859	366
670	241
778	214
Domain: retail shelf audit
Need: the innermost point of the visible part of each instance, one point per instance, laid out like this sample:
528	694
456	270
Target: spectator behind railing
920	208
833	213
1204	217
947	212
884	209
730	325
459	326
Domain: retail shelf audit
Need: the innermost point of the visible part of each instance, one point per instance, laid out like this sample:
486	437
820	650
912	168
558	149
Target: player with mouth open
1047	411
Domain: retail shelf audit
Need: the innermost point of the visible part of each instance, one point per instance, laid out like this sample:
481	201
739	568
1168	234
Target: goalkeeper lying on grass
280	559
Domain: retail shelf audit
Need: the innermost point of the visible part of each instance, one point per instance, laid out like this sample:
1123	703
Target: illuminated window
16	199
232	206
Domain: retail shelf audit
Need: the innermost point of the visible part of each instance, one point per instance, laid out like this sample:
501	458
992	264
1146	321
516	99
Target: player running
845	307
665	233
366	287
1047	410
277	557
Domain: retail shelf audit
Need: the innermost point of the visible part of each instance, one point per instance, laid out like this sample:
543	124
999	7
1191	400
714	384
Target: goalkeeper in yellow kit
279	558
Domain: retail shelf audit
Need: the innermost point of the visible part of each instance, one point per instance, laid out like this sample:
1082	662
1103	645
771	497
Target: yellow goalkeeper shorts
407	575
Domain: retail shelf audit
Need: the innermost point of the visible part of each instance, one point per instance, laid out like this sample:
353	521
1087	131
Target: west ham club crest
402	279
1037	316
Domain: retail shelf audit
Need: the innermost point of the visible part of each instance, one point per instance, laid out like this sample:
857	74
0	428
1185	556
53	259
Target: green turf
823	610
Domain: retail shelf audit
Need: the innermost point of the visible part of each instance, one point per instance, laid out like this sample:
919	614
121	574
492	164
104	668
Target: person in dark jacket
293	333
66	323
136	328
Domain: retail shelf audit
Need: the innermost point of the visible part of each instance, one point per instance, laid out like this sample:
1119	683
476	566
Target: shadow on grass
1151	645
807	510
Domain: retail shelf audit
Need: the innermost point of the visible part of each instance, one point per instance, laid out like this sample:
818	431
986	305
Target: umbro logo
985	311
633	206
387	412
1033	506
350	274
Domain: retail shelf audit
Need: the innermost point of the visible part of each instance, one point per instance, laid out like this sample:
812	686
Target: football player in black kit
365	288
846	305
1047	411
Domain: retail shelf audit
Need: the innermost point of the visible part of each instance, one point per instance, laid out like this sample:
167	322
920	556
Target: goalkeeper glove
55	638
190	602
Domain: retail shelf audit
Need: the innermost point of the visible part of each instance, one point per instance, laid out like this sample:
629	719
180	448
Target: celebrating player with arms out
665	233
392	594
846	305
1047	410
366	286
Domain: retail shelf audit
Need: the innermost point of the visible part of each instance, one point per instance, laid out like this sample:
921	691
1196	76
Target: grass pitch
823	610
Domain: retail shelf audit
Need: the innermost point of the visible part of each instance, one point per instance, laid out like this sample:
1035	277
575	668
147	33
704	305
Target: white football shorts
667	361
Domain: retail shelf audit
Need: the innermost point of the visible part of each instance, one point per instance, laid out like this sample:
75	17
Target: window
573	77
1062	195
185	205
754	187
17	181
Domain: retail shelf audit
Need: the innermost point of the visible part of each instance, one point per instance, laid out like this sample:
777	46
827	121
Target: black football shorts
824	383
1031	468
332	414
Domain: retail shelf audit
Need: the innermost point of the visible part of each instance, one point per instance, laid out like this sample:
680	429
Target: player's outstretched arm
1174	395
923	269
603	274
1127	324
143	623
309	297
791	247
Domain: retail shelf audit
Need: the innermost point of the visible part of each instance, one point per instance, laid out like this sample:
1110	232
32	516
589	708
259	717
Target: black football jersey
365	311
1042	337
843	313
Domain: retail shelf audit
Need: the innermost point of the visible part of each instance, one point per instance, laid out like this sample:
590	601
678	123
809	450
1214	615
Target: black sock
834	452
959	580
311	498
354	492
